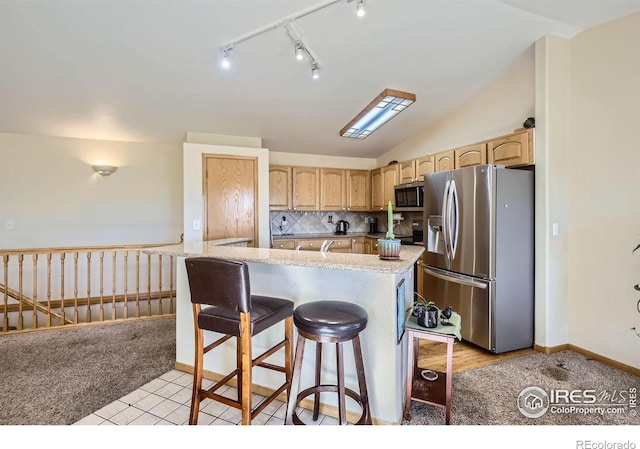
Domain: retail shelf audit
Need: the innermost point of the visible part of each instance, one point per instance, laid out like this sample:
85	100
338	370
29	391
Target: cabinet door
358	190
376	189
444	161
425	165
390	178
407	171
357	245
367	246
284	244
471	155
513	150
279	187
419	277
332	189
306	188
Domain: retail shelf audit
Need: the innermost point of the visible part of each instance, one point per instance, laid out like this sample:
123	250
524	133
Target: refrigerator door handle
459	279
454	209
445	228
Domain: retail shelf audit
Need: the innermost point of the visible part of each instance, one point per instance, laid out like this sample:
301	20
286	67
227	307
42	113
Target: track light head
315	69
226	59
299	51
360	8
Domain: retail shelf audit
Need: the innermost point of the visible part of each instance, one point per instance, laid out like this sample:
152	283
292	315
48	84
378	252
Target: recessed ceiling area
150	71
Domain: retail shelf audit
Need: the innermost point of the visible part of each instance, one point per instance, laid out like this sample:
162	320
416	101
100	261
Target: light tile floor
166	401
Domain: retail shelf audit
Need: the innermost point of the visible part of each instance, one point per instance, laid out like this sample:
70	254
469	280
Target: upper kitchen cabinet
333	189
408	171
444	161
470	155
280	187
376	189
390	178
358	190
513	150
425	165
306	188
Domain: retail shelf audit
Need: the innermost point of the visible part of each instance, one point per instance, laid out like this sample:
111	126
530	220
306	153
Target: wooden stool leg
197	372
316	397
295	381
341	392
362	383
246	367
288	353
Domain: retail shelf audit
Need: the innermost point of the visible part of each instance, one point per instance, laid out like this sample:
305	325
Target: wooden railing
54	287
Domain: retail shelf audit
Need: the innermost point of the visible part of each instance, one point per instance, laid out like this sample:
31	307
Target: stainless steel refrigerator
479	259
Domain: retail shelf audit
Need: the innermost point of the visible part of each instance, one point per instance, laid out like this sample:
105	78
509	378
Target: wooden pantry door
230	194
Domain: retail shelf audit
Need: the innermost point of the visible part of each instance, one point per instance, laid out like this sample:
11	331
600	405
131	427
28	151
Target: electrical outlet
197	226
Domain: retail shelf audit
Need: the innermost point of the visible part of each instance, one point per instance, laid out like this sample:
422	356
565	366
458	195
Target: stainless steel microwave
409	197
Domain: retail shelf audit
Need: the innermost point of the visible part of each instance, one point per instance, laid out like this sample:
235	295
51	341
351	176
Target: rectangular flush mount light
382	109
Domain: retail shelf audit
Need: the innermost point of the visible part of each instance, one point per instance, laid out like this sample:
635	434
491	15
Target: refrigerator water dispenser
435	239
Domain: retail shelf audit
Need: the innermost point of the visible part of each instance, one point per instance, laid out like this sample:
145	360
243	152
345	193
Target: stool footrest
333	389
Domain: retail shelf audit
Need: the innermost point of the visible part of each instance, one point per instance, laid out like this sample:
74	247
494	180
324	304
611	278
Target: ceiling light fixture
299	51
315	71
104	170
360	8
287	23
382	109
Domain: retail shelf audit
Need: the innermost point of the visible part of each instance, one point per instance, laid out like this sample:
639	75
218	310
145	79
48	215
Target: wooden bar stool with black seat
223	288
329	322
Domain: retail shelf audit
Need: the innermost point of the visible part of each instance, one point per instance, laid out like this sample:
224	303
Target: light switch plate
197	226
8	225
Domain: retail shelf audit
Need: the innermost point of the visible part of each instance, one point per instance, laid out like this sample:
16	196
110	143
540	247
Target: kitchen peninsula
305	276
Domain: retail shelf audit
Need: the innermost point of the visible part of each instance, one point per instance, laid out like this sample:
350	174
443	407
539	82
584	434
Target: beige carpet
489	395
61	376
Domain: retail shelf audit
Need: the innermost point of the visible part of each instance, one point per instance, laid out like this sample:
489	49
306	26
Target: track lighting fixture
301	49
226	60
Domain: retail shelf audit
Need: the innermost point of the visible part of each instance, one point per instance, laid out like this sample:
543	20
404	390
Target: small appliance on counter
341	227
373	224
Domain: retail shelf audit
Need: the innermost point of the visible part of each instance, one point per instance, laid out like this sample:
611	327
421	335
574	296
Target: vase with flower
389	247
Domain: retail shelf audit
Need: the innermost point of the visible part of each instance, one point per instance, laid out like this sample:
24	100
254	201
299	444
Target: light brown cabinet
370	245
425	165
284	244
420	277
333	189
408	171
470	155
444	160
358	186
280	187
376	189
357	245
306	188
390	178
513	150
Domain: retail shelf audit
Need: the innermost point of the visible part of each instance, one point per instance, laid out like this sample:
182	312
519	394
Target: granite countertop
328	235
409	254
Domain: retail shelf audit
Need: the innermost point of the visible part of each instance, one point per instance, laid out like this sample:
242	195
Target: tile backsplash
321	222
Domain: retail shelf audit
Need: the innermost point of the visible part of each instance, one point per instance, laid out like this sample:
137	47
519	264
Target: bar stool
329	322
223	287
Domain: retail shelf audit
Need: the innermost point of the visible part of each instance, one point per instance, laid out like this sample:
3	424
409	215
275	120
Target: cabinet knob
281	245
339	243
310	244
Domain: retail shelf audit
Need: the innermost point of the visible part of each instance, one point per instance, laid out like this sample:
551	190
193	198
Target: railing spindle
160	284
126	281
20	317
171	295
49	289
138	284
148	284
5	319
113	285
88	286
101	285
62	308
34	322
75	287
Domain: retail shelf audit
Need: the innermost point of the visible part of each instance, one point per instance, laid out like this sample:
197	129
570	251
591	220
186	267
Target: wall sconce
104	170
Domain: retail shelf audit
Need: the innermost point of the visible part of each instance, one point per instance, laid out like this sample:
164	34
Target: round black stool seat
336	320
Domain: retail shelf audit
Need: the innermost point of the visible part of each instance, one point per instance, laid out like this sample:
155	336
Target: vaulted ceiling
149	71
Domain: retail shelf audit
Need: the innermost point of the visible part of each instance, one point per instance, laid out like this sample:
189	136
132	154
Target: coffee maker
373	225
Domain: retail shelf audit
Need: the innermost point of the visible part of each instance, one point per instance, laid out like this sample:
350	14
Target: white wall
193	195
604	189
317	160
497	110
54	198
